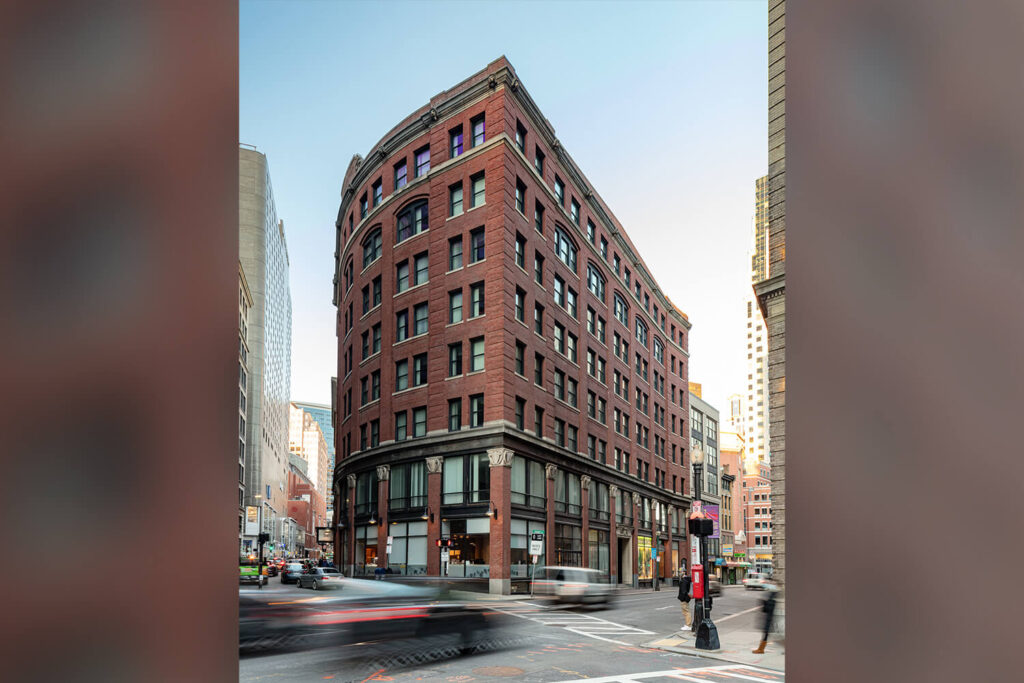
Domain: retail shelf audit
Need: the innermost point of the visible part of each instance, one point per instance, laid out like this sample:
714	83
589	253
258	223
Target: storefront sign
727	549
536	547
252	520
712	512
694	550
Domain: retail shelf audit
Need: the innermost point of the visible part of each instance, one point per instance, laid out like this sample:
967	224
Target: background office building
322	414
264	256
506	362
307	441
244	305
704	434
755	421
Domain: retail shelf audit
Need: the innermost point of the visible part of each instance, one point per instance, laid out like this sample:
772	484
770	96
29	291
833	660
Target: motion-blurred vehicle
270	569
291	572
755	581
320	577
572	585
394	625
714	587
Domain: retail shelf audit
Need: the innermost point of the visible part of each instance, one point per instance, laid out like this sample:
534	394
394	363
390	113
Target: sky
663	105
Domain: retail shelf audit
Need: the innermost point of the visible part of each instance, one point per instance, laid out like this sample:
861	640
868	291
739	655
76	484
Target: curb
709	654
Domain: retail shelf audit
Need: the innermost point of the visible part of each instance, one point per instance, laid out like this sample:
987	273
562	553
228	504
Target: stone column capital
351	481
500	457
551	469
613	489
636	499
383	472
585	481
435	464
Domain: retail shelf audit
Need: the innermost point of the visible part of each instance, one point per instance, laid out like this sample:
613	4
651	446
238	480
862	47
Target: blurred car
320	577
270	569
249	574
755	581
572	585
714	587
291	572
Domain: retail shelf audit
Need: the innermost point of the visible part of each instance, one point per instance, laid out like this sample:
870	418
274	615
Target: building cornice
769	289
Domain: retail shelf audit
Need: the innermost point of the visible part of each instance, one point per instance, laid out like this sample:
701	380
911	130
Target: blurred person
768	610
685	584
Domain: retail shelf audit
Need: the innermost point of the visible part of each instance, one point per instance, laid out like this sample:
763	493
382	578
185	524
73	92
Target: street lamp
707	633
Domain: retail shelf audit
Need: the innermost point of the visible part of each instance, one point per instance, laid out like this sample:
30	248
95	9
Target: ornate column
669	512
435	464
383	475
551	470
636	539
350	538
585	514
500	582
613	536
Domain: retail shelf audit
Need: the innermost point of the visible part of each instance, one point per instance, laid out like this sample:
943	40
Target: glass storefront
366	549
644	569
408	548
599	550
520	547
469	555
568	545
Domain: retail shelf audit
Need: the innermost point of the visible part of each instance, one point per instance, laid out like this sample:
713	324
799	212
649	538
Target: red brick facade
505	275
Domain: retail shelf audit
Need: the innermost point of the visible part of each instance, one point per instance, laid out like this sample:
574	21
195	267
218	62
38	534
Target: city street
555	644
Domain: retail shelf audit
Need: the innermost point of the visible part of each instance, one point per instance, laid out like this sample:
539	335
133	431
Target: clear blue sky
663	105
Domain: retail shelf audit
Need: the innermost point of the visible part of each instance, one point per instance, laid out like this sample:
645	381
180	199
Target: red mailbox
698	581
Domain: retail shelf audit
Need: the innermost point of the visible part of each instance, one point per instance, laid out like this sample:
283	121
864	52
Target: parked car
291	572
320	577
755	581
714	587
572	585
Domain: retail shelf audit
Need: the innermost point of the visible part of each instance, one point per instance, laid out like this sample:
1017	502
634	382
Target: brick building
757	513
306	507
506	362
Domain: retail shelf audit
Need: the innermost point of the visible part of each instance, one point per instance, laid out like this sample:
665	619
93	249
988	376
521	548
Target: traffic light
443	543
264	537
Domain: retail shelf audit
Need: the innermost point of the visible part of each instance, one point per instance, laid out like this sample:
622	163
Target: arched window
565	249
621	310
595	281
371	247
411	221
641	331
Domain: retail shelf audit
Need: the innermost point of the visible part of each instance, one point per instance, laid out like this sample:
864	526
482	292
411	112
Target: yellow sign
644	557
727	550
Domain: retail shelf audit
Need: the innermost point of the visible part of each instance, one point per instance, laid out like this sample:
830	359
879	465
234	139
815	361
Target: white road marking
731	671
580	624
746	611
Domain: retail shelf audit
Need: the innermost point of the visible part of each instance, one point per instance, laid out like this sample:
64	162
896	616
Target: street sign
696	508
390	538
444	555
535	559
536	547
694	550
654	553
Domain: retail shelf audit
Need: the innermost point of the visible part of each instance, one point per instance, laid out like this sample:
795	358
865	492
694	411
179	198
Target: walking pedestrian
685	584
768	611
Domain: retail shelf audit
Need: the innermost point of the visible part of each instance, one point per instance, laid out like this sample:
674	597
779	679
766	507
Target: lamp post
707	633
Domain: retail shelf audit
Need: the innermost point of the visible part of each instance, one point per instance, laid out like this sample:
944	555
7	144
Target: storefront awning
737	564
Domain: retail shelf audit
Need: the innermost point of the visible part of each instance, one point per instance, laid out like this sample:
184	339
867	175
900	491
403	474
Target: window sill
410	238
410	289
454	216
449	272
407	390
372	356
473	263
370	312
368	405
478	206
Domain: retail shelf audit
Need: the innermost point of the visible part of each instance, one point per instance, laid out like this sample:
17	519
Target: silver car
320	577
572	585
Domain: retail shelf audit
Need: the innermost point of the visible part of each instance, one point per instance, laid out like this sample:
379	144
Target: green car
249	573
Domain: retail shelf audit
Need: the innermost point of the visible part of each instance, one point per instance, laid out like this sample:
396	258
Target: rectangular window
520	309
520	196
402	325
560	432
401	375
419	421
476	245
538	421
476	410
478	184
476	299
559	385
520	251
521	137
574	211
573	435
420	314
560	191
591	231
520	358
455	199
520	413
538	160
538	319
604	249
362	207
455	307
477	126
455	253
454	414
376	291
476	348
366	299
538	369
419	370
538	217
374	433
538	268
559	336
400	175
422	161
559	291
422	268
455	359
455	142
400	426
378	192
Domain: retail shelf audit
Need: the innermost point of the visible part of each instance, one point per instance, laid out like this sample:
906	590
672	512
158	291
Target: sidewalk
736	647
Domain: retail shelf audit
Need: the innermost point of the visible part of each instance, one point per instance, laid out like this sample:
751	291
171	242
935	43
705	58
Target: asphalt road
553	644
